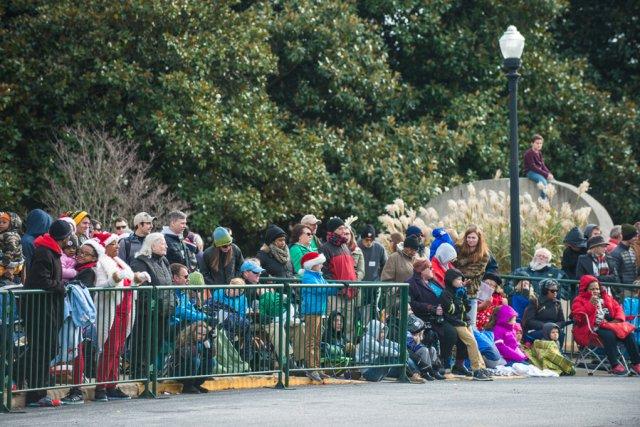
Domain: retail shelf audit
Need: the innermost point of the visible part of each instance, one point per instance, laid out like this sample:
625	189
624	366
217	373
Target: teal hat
221	237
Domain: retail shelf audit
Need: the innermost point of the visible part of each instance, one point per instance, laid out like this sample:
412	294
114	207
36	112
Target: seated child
425	357
503	323
376	349
68	259
546	354
195	355
522	295
456	306
335	347
229	305
313	306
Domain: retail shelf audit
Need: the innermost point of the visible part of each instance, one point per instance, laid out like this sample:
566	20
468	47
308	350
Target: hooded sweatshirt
372	349
442	261
505	336
37	223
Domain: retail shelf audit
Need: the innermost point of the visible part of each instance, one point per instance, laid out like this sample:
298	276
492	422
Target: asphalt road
577	401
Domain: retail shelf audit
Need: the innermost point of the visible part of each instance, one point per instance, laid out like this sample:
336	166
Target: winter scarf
336	239
281	255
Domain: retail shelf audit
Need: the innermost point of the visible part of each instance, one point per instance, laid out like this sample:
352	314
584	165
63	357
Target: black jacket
177	250
570	261
625	263
273	266
156	266
225	273
455	307
45	271
585	266
547	310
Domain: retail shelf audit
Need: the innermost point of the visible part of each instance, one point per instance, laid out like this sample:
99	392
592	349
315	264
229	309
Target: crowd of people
457	300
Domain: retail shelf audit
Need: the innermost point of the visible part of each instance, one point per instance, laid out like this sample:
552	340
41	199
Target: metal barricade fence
190	333
220	330
624	293
346	328
51	348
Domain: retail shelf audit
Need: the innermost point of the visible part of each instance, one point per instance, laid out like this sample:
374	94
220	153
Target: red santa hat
105	238
312	258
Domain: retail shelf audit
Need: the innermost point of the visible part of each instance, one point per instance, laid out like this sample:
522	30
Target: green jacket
297	251
546	354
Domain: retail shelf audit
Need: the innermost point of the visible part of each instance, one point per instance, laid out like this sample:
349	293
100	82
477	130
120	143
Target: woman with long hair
473	257
221	261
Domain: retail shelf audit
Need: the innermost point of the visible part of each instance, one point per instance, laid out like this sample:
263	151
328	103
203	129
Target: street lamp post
511	46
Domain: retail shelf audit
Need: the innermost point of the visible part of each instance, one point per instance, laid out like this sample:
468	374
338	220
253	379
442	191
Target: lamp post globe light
511	46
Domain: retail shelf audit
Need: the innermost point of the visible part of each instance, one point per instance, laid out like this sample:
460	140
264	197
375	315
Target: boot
427	374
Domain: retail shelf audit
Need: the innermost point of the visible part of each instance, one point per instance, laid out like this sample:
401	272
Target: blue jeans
537	178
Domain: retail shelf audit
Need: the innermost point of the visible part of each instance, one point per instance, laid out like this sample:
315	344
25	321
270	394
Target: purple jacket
535	163
505	337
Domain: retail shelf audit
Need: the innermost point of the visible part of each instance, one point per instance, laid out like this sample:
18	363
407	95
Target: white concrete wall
565	193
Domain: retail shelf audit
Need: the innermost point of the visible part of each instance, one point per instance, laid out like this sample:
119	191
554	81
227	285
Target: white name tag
372	263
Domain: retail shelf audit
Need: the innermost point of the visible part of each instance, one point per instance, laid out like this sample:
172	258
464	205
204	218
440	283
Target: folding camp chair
593	351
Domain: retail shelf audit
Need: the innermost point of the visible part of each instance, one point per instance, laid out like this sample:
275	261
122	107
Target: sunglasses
553	291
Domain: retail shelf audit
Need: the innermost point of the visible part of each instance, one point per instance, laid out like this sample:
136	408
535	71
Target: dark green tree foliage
261	111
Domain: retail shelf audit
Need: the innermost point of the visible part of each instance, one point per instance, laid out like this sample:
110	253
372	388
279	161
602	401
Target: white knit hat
96	246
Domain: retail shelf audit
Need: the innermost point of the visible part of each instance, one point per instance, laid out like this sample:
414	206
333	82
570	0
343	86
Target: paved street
578	401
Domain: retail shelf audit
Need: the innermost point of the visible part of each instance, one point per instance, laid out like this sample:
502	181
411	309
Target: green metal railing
190	333
569	290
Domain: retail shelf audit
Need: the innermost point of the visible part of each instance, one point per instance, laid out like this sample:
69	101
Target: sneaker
479	375
202	389
323	375
636	369
618	370
461	370
417	379
487	372
117	394
190	389
46	402
438	375
74	397
314	376
100	395
427	374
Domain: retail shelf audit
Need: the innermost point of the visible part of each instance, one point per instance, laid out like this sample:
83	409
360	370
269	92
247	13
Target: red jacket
582	305
339	266
438	271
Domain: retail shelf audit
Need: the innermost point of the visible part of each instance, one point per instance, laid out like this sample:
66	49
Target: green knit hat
196	279
221	237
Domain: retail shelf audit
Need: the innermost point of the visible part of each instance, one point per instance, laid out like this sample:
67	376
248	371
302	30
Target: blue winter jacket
314	298
185	311
238	303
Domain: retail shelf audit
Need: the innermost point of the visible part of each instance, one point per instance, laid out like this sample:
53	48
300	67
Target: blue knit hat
221	237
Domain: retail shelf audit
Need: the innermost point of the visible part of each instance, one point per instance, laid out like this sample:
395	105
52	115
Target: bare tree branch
103	175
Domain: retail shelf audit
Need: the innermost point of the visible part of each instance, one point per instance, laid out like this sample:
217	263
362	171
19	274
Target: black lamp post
511	46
